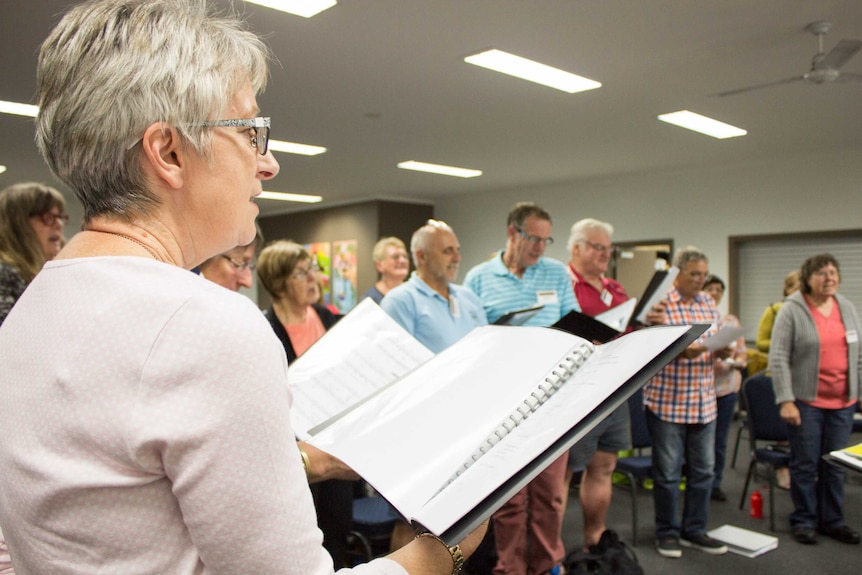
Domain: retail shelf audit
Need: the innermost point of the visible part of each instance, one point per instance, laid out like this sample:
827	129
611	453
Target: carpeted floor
828	556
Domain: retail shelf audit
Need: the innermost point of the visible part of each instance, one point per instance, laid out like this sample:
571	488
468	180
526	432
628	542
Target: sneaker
718	494
668	546
705	543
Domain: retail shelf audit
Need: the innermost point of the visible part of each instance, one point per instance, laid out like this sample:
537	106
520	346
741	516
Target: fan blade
847	77
840	54
759	86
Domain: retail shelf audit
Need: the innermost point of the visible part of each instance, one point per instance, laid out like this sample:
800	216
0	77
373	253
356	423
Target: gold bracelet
306	463
454	551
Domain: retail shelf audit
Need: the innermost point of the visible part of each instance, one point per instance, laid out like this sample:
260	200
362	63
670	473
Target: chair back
764	419
640	433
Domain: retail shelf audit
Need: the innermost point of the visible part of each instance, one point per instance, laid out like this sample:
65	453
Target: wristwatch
454	551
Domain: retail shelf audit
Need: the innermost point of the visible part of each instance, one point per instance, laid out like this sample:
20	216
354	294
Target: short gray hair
422	237
582	228
111	68
688	254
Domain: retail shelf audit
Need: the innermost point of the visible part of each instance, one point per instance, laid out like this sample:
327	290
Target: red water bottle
757	505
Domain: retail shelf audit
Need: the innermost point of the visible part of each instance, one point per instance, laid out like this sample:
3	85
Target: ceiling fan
824	67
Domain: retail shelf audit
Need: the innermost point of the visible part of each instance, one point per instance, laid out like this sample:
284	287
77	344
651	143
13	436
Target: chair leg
747	481
736	446
634	490
771	497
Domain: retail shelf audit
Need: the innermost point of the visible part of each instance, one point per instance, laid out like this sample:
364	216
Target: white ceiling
382	81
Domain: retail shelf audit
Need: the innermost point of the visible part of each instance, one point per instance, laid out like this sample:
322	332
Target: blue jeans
816	487
726	408
673	444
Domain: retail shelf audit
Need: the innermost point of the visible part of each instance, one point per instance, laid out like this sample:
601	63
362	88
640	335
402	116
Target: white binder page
618	317
362	353
723	337
659	294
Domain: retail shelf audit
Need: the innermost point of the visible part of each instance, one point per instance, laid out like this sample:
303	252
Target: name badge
607	297
546	297
852	336
454	306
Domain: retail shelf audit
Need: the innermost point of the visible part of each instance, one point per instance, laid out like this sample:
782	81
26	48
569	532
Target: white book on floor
744	541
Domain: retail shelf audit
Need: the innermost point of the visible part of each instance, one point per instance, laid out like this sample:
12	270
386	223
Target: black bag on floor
609	556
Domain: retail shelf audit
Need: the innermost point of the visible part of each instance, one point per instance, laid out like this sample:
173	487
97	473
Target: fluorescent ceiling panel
285	197
525	69
294	148
18	109
304	8
439	169
702	124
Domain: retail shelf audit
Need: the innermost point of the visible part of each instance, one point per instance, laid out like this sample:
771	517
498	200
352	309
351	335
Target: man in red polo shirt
591	251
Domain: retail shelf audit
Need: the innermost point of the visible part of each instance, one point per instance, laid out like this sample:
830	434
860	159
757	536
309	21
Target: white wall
700	207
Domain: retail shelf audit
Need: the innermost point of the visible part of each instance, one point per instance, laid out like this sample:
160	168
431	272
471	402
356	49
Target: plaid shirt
684	391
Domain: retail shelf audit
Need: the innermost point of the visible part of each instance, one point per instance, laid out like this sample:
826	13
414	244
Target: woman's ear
164	153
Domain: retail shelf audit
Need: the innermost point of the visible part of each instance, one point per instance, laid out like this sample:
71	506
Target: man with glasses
233	269
527	528
680	413
596	453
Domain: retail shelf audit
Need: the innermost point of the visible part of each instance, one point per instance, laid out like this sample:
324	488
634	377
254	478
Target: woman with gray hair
816	363
144	425
32	217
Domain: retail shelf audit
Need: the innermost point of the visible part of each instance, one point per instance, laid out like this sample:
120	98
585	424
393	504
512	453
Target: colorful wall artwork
344	275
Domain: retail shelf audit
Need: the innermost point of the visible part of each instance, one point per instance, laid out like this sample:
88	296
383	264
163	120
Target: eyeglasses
301	274
240	266
50	218
601	248
259	133
535	239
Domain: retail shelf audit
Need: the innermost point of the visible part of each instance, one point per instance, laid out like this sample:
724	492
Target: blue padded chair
639	466
764	425
373	521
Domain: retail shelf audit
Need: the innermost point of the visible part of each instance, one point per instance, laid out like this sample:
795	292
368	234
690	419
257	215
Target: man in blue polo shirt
429	305
432	308
527	528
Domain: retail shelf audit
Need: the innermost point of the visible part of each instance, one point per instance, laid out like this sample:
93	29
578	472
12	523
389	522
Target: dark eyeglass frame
600	247
261	125
240	266
535	239
50	218
311	272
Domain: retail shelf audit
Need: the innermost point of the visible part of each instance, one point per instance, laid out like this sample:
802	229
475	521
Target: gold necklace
131	239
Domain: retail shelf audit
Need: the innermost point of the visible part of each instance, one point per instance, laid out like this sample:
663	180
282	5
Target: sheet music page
609	367
618	317
659	294
723	337
408	441
365	351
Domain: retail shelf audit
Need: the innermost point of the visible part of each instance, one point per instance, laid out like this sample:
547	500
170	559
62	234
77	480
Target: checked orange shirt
684	391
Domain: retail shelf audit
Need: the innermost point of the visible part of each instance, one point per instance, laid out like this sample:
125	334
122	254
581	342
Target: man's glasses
240	266
259	133
535	239
50	218
601	248
301	274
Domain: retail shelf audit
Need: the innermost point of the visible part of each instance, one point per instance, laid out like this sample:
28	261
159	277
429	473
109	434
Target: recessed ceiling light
285	197
702	124
304	8
2	169
439	169
525	69
294	148
18	109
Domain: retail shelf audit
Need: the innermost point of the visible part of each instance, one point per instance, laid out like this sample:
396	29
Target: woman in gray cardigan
816	364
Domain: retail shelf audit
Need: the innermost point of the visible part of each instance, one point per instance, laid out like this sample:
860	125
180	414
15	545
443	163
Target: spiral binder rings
451	440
